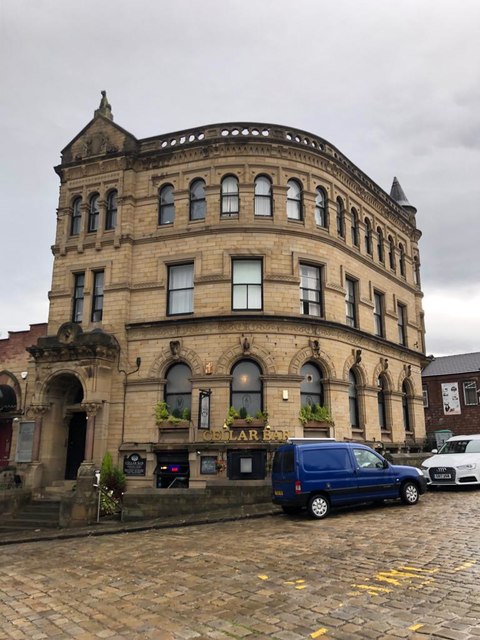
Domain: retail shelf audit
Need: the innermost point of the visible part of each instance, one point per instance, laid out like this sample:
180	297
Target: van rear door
283	474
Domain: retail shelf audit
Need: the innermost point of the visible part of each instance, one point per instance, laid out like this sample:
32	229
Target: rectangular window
470	392
425	396
78	297
247	285
351	301
180	289
97	298
310	290
378	313
402	323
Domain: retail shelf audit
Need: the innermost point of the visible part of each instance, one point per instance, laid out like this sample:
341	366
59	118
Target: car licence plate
278	492
442	476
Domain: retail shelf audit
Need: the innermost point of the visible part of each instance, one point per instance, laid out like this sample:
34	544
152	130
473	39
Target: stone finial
104	109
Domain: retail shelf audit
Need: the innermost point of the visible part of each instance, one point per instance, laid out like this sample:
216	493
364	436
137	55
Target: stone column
38	411
91	409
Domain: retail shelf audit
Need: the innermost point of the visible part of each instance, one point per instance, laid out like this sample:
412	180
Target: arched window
391	253
93	212
229	196
382	411
263	196
294	200
111	214
340	218
76	224
406	407
198	204
311	387
246	387
353	400
166	205
380	250
401	259
368	236
354	227
321	208
178	390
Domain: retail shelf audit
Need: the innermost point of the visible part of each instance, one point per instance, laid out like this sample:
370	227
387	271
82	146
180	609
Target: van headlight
421	472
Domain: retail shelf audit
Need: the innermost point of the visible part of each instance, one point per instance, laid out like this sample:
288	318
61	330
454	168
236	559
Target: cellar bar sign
134	465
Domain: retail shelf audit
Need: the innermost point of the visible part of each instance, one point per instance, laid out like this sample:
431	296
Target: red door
5	440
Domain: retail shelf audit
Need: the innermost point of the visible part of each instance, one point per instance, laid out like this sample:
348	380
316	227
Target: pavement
111	527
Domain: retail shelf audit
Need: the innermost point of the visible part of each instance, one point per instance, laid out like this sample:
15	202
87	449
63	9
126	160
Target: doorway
77	431
5	440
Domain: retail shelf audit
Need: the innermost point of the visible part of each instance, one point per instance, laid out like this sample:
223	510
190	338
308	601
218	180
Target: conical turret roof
398	194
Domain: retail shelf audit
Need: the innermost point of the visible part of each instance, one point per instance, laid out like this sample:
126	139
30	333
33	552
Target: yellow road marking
371	587
415	627
320	632
301	586
263	577
465	565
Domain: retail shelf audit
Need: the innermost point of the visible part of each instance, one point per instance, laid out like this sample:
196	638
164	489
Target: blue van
324	474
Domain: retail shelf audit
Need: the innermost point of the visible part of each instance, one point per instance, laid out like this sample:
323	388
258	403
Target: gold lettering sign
250	435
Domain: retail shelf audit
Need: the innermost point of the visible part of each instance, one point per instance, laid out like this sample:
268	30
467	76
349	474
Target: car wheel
290	510
318	507
409	493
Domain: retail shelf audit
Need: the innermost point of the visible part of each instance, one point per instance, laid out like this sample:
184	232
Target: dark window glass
354	228
178	390
294	200
247	285
353	400
166	205
340	218
246	387
368	237
380	250
351	301
321	208
78	297
311	387
76	223
391	253
326	459
378	313
470	394
310	290
97	298
263	196
198	204
93	213
406	407
180	289
382	413
401	259
401	320
111	215
229	195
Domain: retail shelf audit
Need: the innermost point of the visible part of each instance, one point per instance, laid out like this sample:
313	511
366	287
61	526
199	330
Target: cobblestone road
383	573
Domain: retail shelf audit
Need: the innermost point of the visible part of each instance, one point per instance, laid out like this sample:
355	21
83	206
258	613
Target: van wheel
409	493
290	510
318	507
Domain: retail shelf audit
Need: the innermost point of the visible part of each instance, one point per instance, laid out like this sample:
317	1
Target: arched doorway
67	428
8	404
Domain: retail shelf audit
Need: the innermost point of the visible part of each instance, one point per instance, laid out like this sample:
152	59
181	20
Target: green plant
243	413
262	415
161	412
231	415
112	478
315	413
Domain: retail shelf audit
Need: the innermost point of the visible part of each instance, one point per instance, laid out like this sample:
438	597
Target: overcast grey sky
394	84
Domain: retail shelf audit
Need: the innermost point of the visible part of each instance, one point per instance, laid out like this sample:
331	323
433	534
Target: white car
457	462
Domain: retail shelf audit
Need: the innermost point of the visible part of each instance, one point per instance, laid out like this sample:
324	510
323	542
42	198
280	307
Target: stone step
35	515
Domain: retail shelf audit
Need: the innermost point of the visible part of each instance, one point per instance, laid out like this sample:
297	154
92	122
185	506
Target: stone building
451	385
236	265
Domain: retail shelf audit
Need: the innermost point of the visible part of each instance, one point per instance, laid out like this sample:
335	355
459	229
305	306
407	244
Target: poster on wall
451	399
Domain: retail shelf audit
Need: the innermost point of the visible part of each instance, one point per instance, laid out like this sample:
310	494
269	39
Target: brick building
232	265
451	385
